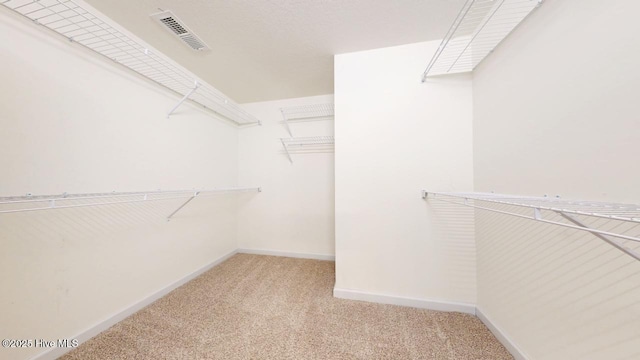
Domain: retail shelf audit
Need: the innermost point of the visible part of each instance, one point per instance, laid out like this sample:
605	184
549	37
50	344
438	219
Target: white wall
557	102
73	122
295	211
394	137
556	112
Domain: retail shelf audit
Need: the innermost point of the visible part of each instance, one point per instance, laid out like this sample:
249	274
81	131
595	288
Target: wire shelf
301	142
16	204
479	27
84	25
308	141
571	210
306	112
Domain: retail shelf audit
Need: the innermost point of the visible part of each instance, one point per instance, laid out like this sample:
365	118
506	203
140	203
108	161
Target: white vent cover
170	22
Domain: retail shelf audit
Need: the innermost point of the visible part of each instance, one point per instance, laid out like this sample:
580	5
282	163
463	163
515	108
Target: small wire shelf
477	30
84	25
308	141
307	112
573	211
302	142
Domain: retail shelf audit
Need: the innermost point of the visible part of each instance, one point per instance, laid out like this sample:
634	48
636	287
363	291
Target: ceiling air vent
170	22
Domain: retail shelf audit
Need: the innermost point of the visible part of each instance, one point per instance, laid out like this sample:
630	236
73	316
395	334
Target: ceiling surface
266	50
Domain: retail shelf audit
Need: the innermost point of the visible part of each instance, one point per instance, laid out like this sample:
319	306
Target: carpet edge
105	324
438	305
287	254
501	336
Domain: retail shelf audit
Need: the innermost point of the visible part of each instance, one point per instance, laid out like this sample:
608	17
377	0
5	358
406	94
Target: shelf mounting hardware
286	122
184	98
183	205
286	149
602	237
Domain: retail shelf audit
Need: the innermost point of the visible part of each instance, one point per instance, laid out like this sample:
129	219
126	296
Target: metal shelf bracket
183	205
184	98
600	236
286	149
286	122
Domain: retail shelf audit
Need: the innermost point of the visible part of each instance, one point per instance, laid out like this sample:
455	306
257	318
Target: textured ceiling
267	50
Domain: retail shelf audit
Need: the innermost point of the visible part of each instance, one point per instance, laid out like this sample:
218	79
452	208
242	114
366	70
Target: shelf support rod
286	150
184	98
286	123
183	205
604	238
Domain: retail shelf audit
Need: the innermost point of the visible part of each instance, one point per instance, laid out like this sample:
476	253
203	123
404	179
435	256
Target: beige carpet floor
265	307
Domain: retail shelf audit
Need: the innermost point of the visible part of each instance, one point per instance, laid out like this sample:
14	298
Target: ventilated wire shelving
80	23
479	27
16	204
306	112
306	142
572	211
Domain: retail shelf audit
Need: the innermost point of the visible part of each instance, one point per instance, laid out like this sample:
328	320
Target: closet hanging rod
53	202
184	98
564	208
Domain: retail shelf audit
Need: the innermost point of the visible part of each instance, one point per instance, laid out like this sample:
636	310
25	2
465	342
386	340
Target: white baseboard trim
438	305
54	353
287	254
348	294
501	336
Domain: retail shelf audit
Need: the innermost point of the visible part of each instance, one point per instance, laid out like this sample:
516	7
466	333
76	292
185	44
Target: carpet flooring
266	307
